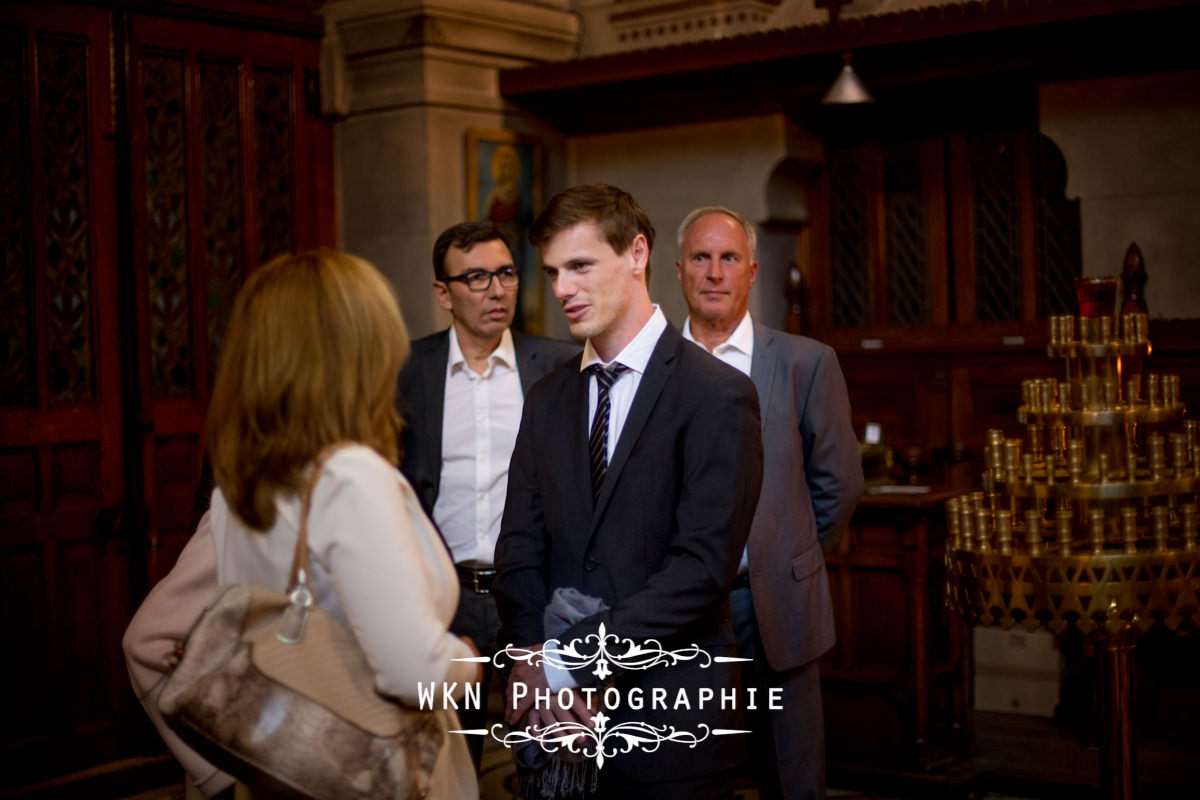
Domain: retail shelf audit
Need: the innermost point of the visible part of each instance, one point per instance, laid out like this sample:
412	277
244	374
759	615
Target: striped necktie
598	440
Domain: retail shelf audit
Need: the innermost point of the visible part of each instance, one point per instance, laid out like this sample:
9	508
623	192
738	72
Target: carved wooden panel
18	479
880	258
850	267
182	123
168	268
18	375
224	234
996	227
63	601
75	474
64	133
906	237
225	169
274	119
916	233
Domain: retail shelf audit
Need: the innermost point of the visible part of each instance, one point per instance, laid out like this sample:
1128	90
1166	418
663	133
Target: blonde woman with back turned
310	359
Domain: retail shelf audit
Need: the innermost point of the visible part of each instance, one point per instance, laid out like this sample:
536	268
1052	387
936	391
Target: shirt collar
636	354
505	352
742	338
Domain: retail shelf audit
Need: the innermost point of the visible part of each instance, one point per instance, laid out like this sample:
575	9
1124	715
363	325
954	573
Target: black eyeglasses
478	280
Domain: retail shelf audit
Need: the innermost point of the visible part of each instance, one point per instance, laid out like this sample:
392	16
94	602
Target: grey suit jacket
806	431
421	392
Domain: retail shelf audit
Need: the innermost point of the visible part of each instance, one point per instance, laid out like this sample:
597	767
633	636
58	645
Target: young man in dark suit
812	477
633	480
460	395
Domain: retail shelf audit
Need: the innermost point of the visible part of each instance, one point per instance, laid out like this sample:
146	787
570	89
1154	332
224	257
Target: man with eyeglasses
461	395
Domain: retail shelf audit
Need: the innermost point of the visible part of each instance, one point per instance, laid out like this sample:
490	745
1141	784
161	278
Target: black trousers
477	619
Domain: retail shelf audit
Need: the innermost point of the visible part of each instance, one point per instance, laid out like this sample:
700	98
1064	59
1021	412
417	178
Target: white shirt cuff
557	677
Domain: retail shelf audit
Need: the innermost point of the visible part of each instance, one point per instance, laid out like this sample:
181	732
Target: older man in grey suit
812	477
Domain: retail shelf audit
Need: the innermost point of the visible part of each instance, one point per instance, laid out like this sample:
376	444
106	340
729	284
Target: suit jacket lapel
434	379
527	371
762	367
658	370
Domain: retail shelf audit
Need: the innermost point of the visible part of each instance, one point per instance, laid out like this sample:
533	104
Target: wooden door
64	574
230	165
147	165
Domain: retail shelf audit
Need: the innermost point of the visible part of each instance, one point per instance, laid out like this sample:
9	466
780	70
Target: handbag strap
301	570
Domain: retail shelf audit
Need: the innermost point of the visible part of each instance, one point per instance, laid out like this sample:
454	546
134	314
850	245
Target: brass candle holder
1091	519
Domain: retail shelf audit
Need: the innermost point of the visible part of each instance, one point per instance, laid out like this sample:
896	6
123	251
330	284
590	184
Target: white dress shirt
738	352
480	417
635	357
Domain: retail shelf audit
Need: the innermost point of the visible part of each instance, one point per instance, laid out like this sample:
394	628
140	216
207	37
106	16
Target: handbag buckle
291	625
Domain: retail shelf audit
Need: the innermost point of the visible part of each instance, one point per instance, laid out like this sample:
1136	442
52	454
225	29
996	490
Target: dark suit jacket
806	432
660	546
421	392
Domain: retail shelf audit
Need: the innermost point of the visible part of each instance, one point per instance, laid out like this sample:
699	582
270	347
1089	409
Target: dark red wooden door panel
106	361
226	163
64	578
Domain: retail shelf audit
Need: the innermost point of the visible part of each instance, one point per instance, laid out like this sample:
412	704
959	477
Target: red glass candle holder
1097	296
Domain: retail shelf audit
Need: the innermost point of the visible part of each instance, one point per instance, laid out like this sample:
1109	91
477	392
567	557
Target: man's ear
442	292
639	250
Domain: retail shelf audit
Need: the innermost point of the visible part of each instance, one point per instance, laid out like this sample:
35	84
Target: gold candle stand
1091	519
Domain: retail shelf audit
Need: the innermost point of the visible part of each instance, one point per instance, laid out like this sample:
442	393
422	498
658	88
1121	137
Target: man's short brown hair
612	210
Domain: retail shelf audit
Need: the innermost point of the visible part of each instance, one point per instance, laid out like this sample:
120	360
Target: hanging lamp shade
848	88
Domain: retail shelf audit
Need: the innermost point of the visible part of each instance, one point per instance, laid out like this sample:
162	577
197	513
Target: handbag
278	693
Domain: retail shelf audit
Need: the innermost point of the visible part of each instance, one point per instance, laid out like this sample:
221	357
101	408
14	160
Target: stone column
407	78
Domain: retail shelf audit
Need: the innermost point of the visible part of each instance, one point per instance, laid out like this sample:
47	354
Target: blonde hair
310	358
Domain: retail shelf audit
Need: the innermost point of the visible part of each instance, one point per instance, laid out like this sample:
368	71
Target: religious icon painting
504	184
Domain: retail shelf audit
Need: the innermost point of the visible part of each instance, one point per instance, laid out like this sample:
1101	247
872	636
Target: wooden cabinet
893	687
